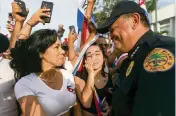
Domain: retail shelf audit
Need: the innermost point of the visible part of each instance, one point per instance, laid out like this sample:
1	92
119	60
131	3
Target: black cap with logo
123	7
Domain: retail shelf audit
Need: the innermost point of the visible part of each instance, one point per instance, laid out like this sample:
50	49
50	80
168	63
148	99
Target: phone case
11	20
72	28
23	8
48	5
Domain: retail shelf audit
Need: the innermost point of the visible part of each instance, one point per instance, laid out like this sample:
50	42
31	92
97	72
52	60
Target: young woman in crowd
92	80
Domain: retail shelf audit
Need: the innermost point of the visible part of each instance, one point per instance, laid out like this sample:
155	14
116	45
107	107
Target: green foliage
102	10
104	13
150	5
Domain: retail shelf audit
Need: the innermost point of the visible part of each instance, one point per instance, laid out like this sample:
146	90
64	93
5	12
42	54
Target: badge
130	67
159	59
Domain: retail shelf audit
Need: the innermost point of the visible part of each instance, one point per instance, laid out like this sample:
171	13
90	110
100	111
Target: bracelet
29	24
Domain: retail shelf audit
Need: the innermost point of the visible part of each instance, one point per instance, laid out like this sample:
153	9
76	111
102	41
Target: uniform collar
146	38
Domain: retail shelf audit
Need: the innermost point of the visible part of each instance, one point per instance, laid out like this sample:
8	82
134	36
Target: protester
93	77
149	80
44	84
8	105
19	20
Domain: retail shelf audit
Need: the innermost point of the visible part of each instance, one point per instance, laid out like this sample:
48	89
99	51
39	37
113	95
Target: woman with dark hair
94	80
45	88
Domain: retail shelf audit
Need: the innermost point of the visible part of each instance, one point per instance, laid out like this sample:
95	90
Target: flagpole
156	18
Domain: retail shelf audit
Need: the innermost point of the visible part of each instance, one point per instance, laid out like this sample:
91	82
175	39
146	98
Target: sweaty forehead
93	49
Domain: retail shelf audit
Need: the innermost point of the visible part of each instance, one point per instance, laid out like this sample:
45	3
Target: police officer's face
121	33
95	54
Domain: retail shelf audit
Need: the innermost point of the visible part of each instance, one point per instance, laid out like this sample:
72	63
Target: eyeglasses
89	55
104	45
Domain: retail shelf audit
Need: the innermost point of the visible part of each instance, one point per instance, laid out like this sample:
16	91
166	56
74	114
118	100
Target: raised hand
92	28
10	28
72	37
106	108
89	67
89	9
15	12
37	17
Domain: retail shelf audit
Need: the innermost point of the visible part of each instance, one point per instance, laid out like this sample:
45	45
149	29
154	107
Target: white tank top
54	102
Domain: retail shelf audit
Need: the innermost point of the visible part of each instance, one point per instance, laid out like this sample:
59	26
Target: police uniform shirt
152	69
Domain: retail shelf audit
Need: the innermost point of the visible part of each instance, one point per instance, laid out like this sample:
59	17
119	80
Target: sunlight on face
54	55
121	33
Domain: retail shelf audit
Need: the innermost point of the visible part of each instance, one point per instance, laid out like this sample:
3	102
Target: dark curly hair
26	54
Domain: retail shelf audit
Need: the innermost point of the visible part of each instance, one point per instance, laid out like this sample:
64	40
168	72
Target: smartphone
48	5
11	20
22	5
72	28
60	33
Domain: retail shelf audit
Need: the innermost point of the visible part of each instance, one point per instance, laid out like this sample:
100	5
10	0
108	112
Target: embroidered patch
130	67
159	59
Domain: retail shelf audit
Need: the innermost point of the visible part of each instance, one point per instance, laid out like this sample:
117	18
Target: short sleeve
22	88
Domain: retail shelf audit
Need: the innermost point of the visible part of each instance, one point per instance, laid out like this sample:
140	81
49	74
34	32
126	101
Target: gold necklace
49	73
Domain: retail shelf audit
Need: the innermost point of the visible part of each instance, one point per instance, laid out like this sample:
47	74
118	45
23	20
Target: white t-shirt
8	105
54	102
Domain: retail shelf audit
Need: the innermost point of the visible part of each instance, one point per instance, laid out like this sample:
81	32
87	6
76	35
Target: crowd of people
131	74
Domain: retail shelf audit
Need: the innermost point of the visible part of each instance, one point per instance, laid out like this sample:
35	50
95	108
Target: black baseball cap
123	7
4	43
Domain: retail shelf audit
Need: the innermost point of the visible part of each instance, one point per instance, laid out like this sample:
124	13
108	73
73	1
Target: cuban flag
83	33
142	5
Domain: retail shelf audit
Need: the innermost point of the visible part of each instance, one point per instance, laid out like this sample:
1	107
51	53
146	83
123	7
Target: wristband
29	24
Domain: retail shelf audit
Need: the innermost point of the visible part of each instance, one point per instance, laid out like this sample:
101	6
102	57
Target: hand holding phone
22	5
47	5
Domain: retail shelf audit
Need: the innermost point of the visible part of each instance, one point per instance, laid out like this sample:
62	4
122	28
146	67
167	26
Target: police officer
149	81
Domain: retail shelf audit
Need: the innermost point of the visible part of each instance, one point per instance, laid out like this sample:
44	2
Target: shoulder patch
159	59
130	67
